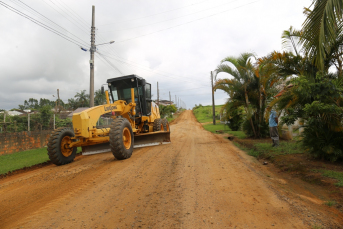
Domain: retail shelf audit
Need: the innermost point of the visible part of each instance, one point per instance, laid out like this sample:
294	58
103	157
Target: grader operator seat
120	89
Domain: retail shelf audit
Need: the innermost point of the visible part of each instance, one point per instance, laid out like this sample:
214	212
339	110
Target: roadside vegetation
291	158
24	159
169	112
204	113
304	84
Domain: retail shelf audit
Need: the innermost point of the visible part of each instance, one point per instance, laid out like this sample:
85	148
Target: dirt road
197	181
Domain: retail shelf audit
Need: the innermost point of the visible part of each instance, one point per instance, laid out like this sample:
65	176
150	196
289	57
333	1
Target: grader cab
136	122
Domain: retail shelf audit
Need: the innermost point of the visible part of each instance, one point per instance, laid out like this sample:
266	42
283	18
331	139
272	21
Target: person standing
273	128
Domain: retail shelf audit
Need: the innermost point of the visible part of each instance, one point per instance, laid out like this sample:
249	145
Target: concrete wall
20	141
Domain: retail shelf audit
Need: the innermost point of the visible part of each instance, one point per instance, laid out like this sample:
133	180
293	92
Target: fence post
28	122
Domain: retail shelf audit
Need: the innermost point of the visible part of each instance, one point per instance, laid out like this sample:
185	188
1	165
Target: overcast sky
176	43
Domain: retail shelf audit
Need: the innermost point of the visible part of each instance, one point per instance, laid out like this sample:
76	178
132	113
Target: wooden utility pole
213	106
158	95
169	98
28	121
91	61
58	98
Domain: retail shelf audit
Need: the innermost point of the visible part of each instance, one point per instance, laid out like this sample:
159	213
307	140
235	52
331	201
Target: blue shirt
272	117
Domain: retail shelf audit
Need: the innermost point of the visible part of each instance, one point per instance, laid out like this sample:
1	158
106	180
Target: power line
186	89
105	62
44	18
171	18
191	81
157	13
40	24
109	63
87	32
85	24
134	63
186	22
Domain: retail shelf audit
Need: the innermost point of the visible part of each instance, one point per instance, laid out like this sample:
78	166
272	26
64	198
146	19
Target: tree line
81	99
304	82
41	117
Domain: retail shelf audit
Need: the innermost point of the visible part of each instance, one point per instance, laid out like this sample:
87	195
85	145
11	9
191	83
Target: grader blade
140	140
151	139
95	149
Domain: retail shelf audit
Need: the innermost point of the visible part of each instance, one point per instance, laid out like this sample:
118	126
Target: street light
111	42
91	62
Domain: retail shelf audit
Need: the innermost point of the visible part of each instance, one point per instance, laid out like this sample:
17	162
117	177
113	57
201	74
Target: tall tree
321	29
82	98
99	98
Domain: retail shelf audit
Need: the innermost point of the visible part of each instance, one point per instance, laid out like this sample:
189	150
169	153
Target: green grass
212	128
238	134
204	113
19	160
172	117
283	149
333	174
240	146
265	150
330	203
316	226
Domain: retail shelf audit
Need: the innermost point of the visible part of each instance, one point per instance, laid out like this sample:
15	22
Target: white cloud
35	62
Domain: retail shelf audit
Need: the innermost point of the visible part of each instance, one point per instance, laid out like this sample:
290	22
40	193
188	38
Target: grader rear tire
121	139
165	124
58	151
158	125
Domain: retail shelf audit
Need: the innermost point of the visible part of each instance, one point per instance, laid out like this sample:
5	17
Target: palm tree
240	88
99	98
72	104
82	98
321	29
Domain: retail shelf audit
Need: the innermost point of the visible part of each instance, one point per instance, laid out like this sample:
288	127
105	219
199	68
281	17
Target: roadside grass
204	113
332	174
28	158
330	203
225	129
265	150
173	117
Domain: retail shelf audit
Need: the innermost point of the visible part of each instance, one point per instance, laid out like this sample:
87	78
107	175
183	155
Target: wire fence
34	122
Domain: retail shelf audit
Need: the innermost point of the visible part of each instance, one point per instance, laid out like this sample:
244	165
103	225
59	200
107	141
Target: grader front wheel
121	138
165	124
58	146
158	126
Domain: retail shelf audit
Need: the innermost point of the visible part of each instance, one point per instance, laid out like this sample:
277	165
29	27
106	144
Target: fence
20	141
14	140
33	122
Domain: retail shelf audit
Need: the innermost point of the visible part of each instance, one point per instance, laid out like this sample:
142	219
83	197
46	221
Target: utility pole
28	121
58	98
169	98
158	95
91	61
213	107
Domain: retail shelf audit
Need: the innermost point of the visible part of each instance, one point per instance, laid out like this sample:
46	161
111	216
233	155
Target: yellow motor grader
136	122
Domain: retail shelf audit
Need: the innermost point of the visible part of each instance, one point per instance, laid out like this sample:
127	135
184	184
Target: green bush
234	116
263	128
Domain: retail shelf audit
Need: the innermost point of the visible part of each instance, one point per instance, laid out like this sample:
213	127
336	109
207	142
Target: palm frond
319	28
